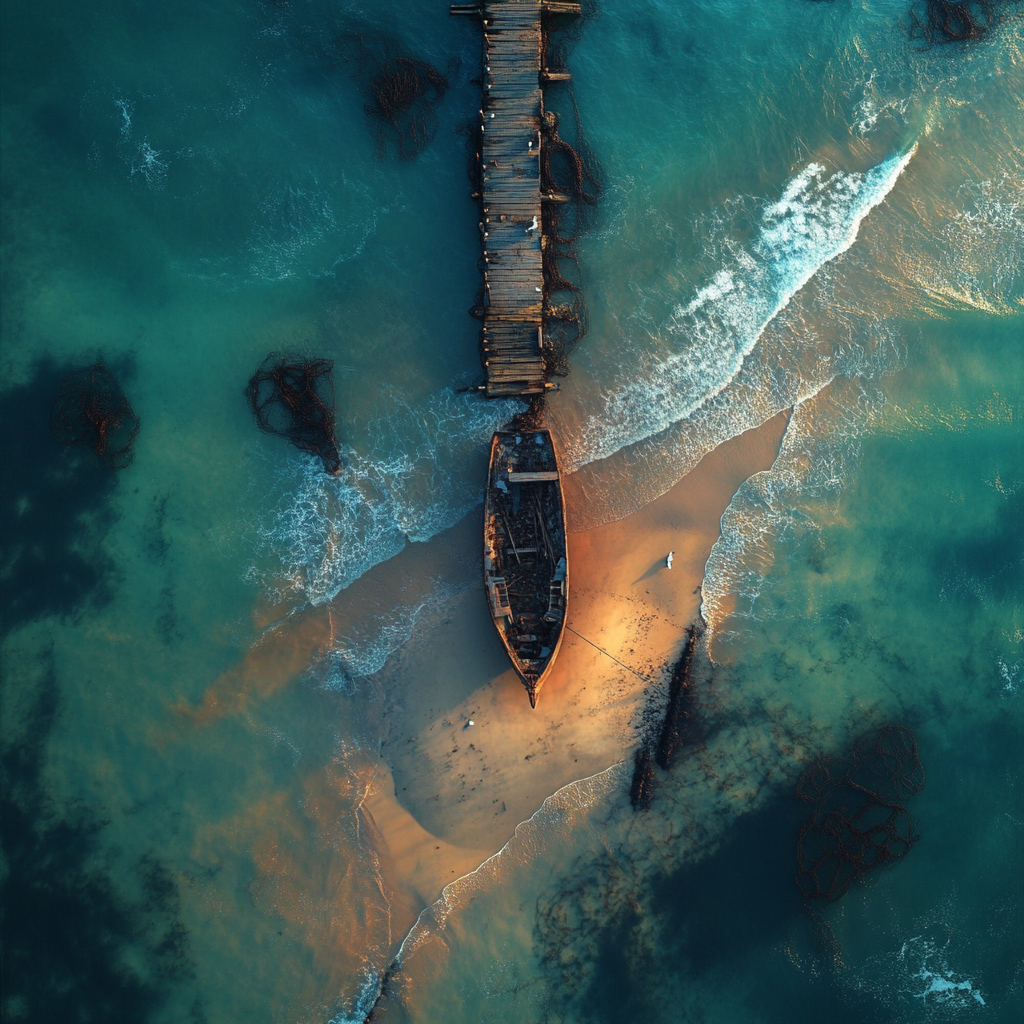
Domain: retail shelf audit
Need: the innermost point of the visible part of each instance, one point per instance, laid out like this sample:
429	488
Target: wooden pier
511	224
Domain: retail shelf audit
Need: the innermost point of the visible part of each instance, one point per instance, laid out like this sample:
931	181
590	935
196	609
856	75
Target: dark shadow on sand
653	571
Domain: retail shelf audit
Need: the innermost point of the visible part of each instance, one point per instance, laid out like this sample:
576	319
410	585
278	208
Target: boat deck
525	561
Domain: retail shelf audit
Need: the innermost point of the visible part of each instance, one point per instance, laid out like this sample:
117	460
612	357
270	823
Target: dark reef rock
681	726
641	789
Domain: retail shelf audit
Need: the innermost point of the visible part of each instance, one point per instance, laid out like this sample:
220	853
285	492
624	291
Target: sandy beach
445	795
460	788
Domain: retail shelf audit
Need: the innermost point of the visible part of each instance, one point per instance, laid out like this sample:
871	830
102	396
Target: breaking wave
708	338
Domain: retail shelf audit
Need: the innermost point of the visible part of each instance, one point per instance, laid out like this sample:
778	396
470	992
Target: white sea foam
143	159
815	458
298	233
362	1002
293	221
1010	677
982	262
151	165
328	531
922	978
708	338
127	110
875	104
931	979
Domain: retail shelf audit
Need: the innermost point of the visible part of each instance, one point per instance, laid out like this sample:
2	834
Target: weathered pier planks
510	197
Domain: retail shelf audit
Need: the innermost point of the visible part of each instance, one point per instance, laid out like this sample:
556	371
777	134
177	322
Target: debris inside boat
526	570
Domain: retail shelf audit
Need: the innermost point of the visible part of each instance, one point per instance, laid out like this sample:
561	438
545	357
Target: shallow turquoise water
800	208
893	596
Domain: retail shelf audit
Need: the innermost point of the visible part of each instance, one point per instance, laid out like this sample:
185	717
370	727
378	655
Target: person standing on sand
668	560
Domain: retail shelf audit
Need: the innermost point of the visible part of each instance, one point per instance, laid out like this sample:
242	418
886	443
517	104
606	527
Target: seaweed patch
55	509
858	821
293	397
952	21
91	409
402	92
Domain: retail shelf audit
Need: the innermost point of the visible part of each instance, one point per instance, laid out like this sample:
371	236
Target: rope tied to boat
646	679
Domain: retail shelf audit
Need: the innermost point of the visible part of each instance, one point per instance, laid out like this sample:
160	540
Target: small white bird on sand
668	560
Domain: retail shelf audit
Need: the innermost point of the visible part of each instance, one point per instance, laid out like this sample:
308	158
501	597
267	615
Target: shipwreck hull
526	569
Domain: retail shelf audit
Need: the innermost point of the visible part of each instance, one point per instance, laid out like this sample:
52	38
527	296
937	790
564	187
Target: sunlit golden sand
471	785
458	791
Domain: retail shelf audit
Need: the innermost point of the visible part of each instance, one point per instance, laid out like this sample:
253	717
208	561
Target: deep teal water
801	208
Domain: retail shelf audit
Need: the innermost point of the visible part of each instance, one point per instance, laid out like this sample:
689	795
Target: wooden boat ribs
525	564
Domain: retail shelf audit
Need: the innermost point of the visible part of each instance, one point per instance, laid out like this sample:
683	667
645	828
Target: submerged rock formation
642	788
680	727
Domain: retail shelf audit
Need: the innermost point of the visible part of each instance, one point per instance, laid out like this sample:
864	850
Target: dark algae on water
91	409
952	21
402	93
56	502
75	948
858	822
293	397
406	93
